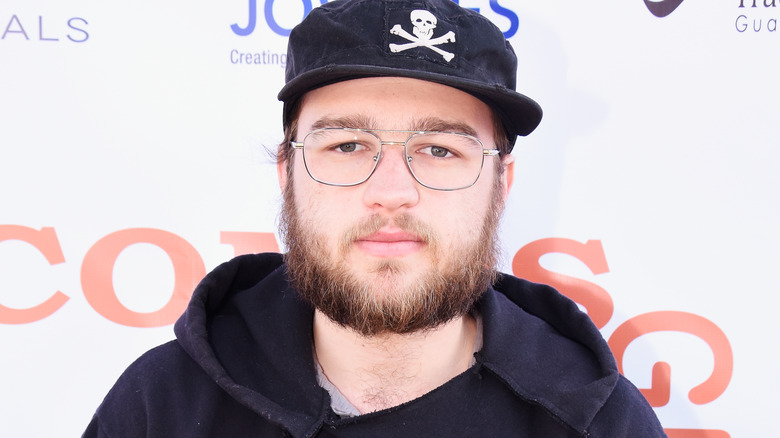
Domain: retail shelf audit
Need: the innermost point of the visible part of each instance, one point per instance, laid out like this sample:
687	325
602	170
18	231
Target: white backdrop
132	160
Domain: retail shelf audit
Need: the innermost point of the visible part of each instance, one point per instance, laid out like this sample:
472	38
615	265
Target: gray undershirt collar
344	409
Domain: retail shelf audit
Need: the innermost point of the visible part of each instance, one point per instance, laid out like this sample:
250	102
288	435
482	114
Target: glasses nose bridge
399	138
380	156
396	143
383	143
397	134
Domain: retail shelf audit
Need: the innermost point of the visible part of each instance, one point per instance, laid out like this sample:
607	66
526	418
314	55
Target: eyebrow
366	122
350	121
439	124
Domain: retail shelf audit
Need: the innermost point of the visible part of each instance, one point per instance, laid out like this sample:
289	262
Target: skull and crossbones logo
424	23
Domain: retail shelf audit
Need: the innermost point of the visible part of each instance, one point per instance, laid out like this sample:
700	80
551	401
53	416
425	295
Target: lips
390	243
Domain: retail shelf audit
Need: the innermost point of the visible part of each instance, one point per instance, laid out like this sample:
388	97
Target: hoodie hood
245	313
563	363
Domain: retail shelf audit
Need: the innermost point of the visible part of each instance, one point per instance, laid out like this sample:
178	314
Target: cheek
467	213
325	211
306	196
460	220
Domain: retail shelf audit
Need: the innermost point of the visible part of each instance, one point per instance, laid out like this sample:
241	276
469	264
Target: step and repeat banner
134	141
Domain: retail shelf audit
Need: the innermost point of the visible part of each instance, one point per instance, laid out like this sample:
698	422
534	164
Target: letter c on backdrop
44	240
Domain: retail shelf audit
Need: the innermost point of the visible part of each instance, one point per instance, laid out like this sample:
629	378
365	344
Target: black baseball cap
432	40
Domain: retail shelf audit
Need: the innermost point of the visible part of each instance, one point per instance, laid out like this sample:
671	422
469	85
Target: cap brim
519	113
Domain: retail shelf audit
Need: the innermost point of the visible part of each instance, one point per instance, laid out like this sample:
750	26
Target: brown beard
384	304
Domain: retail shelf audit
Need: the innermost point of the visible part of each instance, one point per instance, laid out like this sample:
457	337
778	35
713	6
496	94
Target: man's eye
347	147
438	151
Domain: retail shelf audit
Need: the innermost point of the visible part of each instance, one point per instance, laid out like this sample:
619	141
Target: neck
383	371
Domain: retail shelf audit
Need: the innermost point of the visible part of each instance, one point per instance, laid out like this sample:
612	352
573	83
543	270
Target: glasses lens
445	160
340	156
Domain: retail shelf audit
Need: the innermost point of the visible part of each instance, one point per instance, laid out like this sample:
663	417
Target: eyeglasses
437	160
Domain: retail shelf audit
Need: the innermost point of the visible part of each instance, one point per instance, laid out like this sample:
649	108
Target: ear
508	177
281	173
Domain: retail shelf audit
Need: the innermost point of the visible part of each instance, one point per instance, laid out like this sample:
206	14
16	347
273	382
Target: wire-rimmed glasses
437	160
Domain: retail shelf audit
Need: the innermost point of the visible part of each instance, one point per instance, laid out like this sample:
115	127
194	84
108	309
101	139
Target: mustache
371	224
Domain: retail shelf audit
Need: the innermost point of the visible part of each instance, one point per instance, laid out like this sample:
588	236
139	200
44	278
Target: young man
386	317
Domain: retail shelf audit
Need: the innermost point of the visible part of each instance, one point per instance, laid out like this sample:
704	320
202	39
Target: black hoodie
242	366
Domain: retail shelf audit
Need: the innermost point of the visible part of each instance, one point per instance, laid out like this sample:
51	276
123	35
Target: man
386	317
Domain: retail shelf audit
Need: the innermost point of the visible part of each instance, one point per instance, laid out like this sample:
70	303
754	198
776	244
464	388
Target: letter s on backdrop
594	298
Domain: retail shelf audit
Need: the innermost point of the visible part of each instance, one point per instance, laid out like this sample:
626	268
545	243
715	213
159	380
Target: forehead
394	103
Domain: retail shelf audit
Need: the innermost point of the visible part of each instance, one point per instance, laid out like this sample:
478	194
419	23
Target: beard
384	300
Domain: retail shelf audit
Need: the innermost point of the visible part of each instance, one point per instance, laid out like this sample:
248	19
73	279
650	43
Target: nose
391	186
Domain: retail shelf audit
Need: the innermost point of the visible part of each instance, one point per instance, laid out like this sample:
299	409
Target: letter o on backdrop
97	276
